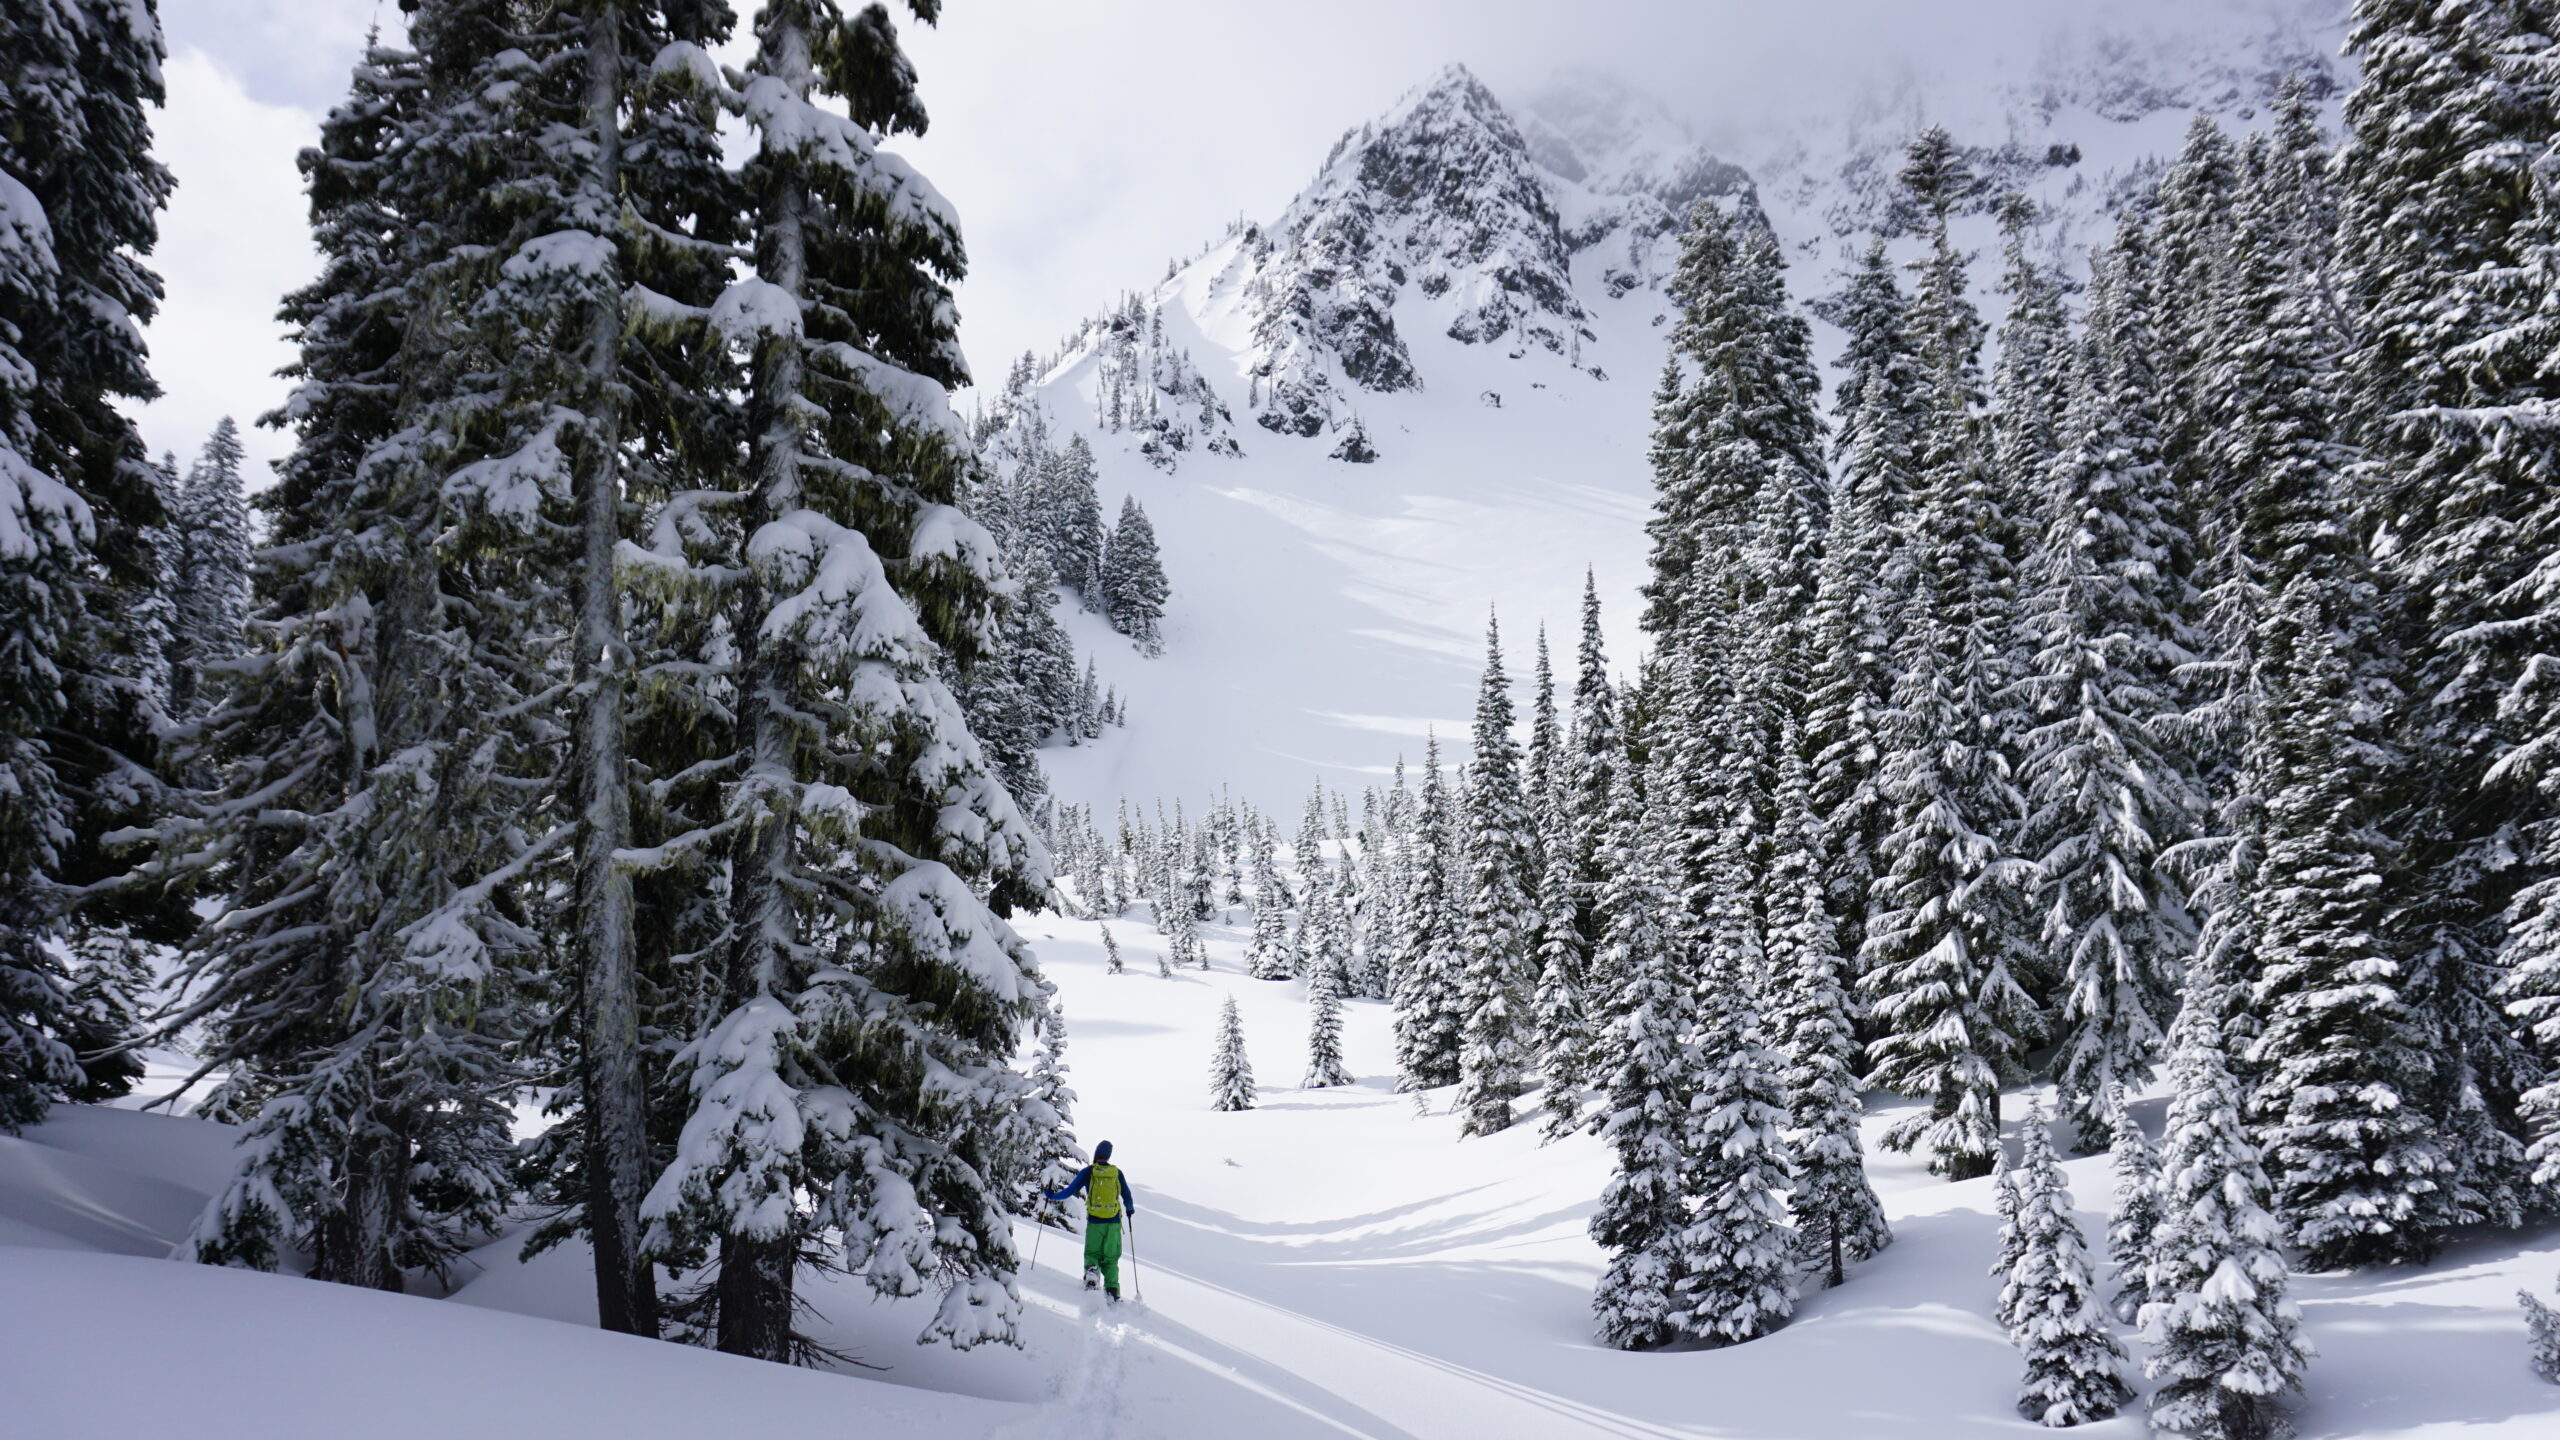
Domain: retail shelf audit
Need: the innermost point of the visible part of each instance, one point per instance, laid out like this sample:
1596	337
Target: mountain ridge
1421	392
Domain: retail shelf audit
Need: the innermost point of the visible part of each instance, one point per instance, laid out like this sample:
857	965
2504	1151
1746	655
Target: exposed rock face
1508	227
1439	198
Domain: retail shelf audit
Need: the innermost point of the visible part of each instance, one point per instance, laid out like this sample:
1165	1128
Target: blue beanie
1102	1151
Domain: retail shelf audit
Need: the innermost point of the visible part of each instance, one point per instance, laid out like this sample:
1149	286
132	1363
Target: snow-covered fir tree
1738	481
2049	1299
1133	583
1044	1123
2444	231
1071	519
872	997
212	588
376	758
1855	618
1647	1120
1230	1073
1111	952
1269	956
2135	1222
114	989
1838	1218
1429	958
1572	994
2342	1061
2031	380
80	195
1942	951
2107	787
1308	849
1325	1066
1739	1251
1501	918
2542	1335
2226	1339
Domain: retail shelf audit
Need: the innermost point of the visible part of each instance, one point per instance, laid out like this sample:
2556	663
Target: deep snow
1331	1263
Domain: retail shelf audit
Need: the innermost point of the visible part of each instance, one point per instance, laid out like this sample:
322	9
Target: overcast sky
1082	141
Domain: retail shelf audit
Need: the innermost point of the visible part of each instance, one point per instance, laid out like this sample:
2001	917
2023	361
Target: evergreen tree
2075	1367
1541	776
2031	381
1324	1027
1133	583
376	752
2226	1339
1855	617
2444	226
1230	1073
79	499
2107	790
1501	923
1837	1214
2542	1334
1648	1122
2343	1065
1111	952
1308	851
852	1089
1738	1250
1023	695
1943	948
1269	956
1427	1019
1739	493
212	583
1071	510
1569	987
1045	1122
2132	1230
2193	258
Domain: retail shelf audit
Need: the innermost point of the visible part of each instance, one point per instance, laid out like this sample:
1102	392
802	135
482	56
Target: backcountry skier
1107	1197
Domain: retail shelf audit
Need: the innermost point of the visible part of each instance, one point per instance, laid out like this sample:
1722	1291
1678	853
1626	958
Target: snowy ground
1332	1263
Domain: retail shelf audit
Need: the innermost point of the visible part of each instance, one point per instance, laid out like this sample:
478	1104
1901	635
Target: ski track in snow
1088	1407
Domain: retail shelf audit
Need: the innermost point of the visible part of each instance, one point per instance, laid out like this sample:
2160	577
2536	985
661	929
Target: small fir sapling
2074	1365
1230	1073
1324	1035
2542	1332
2137	1214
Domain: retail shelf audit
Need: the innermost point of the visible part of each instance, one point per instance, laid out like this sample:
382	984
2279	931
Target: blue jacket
1128	1193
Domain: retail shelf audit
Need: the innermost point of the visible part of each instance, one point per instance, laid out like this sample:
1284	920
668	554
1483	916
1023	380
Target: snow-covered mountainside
1420	394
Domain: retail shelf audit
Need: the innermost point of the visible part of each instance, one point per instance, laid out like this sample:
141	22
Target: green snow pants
1102	1252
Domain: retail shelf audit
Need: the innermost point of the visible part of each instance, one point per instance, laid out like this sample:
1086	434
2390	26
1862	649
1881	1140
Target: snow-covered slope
1330	1264
1421	393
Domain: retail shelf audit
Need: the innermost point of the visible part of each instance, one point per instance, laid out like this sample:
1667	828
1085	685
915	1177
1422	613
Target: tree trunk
610	1069
756	1273
755	1297
353	1244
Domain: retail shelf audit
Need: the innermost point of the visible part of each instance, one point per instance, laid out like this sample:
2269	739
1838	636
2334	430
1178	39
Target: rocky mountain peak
1434	209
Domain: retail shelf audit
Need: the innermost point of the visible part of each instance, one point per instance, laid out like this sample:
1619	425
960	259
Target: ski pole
1039	1228
1129	1228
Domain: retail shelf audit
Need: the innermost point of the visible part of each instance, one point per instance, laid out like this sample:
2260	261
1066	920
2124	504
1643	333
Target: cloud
232	242
292	53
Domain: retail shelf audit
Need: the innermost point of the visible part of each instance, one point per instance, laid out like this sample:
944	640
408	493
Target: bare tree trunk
755	1296
611	1076
352	1246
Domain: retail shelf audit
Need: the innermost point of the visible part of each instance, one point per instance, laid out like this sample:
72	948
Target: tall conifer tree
1501	921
